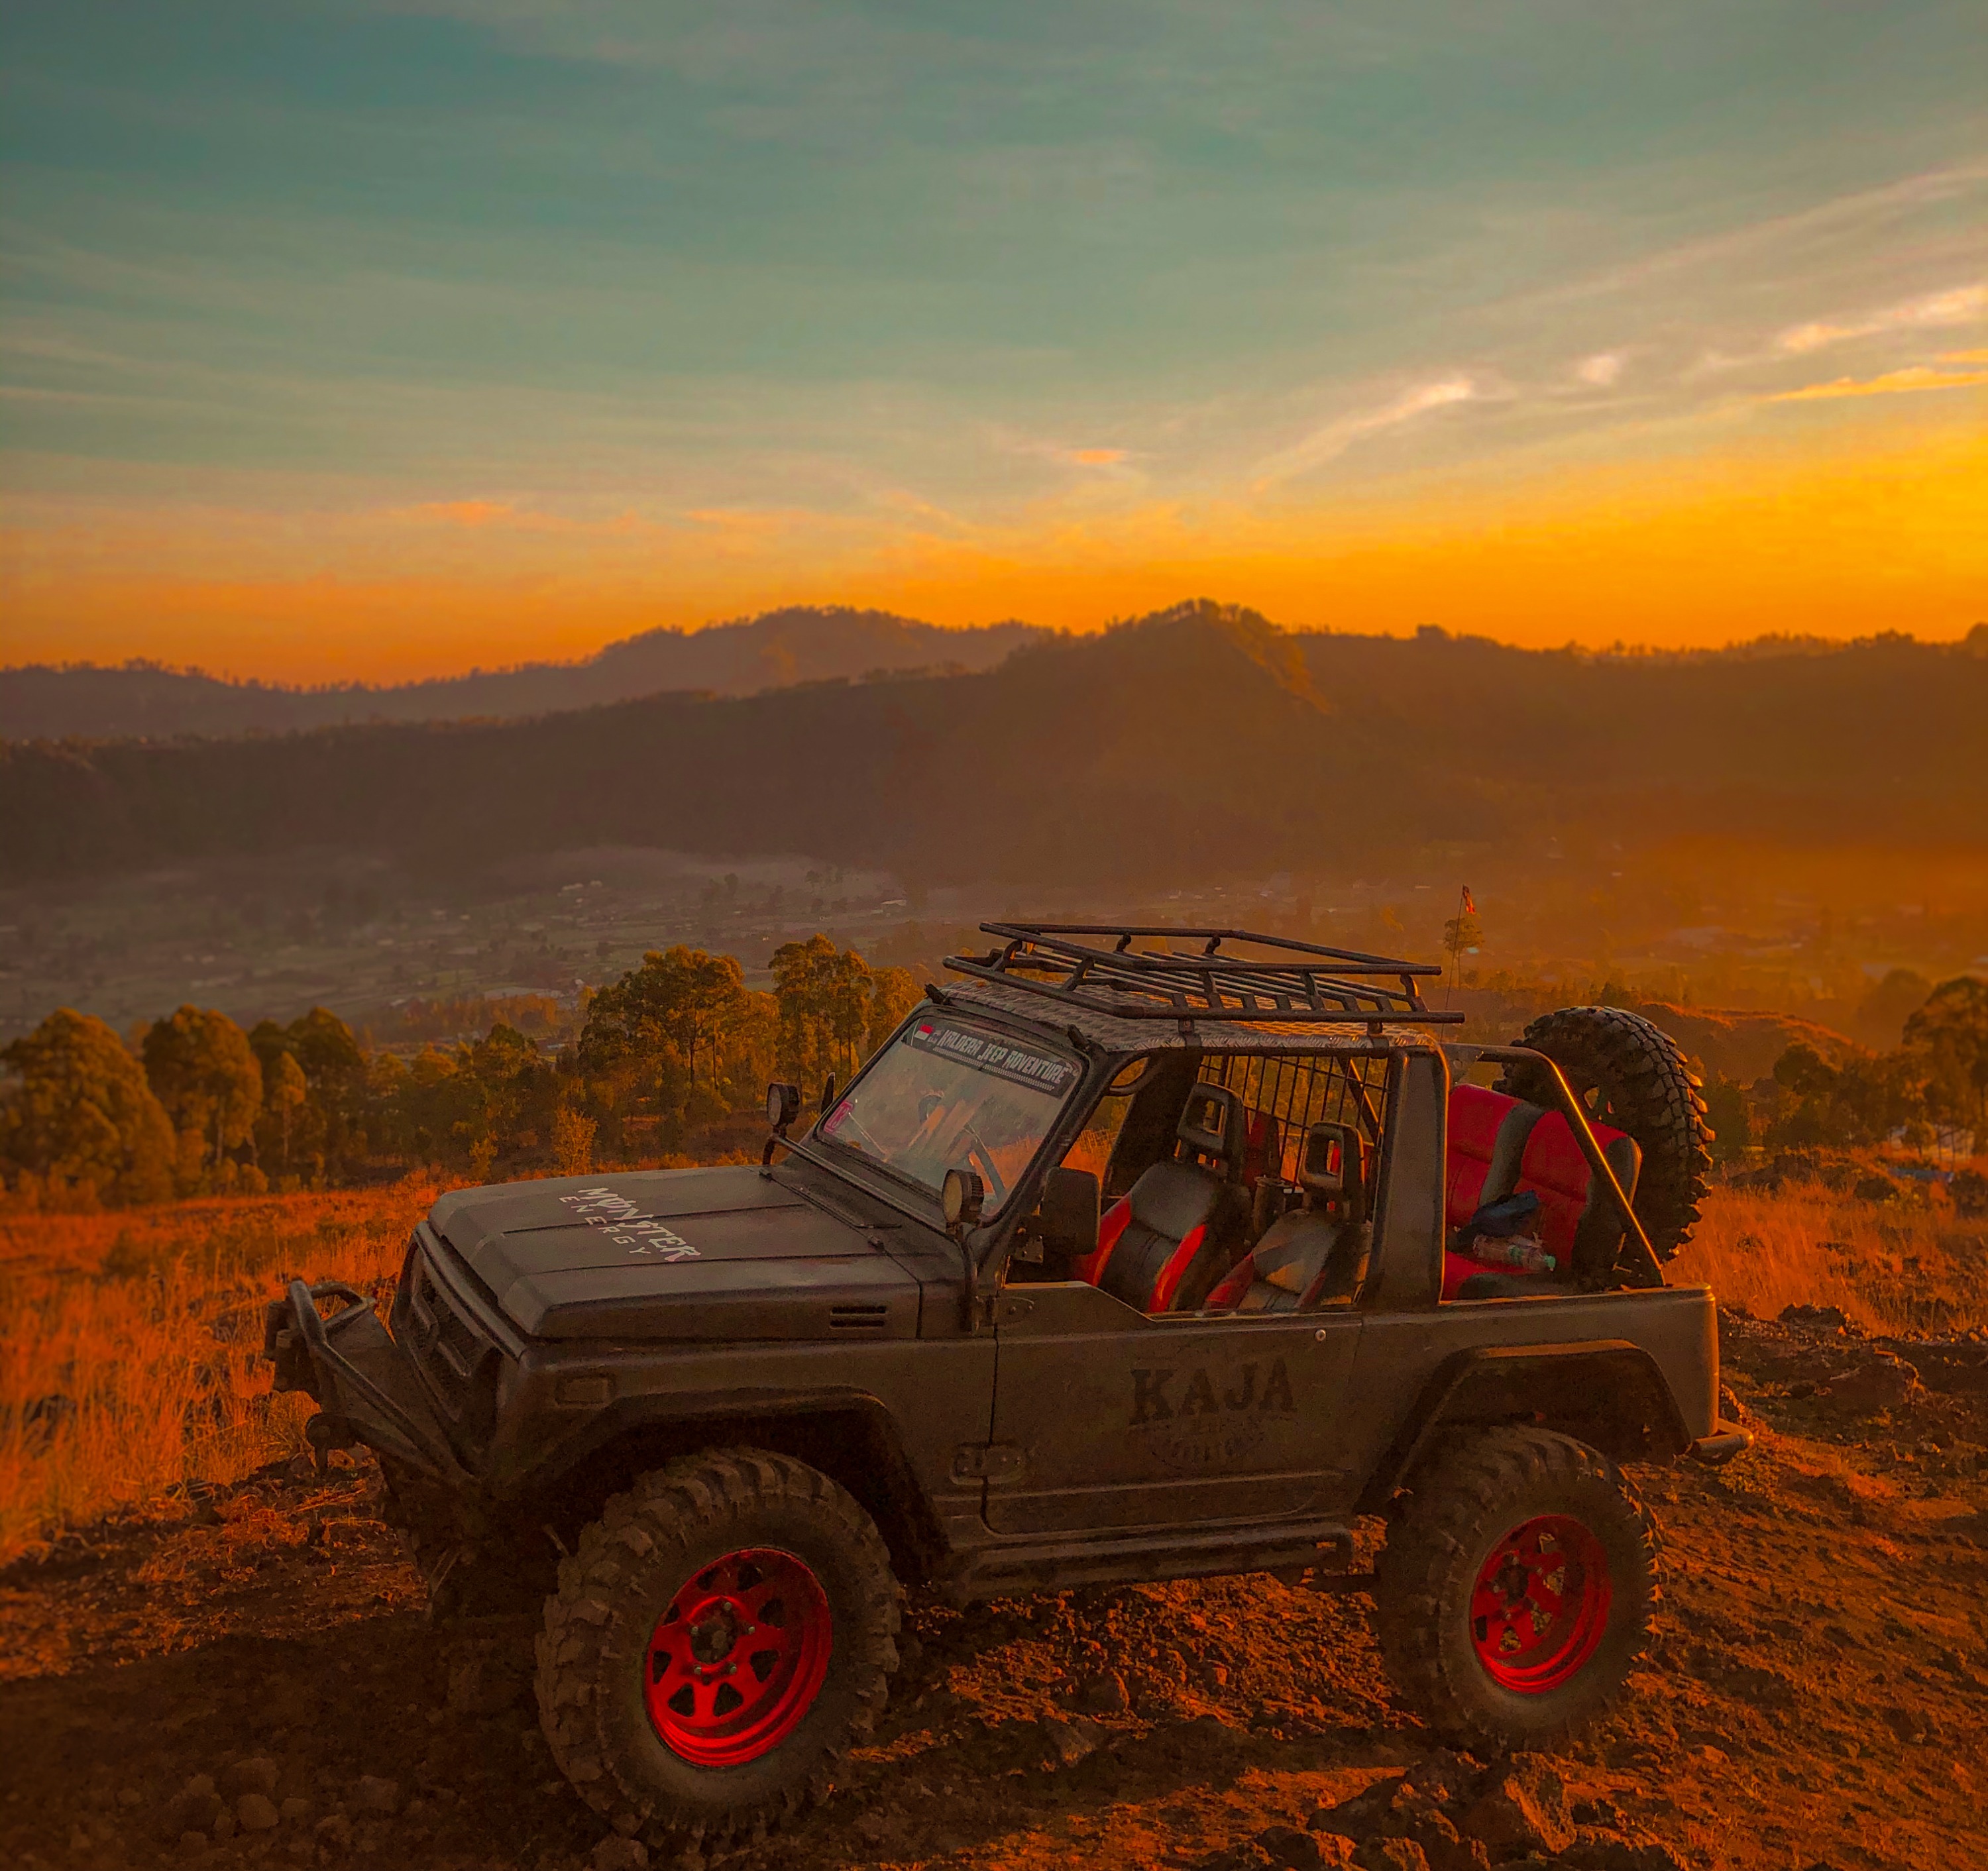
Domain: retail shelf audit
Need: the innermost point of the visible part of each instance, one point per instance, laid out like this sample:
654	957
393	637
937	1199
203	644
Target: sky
379	340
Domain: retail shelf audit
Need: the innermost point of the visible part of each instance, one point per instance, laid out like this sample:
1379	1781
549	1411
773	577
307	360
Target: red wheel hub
738	1658
1540	1604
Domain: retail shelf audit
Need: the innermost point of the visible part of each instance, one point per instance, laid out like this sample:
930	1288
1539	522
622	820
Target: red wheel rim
1540	1604
738	1657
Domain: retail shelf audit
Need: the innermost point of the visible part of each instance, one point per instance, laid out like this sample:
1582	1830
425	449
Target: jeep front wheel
720	1638
1517	1589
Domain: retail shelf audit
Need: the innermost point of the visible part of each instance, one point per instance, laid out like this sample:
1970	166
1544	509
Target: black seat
1316	1256
1166	1244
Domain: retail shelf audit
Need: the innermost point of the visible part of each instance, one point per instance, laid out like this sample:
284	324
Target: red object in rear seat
1499	1146
1555	1170
1262	1149
1475	1115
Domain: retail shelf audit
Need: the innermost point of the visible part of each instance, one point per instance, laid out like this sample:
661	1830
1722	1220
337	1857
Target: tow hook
324	1434
1716	1449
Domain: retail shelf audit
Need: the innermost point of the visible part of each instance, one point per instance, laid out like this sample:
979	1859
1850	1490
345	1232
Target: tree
664	1023
334	1068
1884	1011
203	1072
76	1109
1731	1123
1857	1100
1461	933
572	1142
1946	1041
824	996
894	992
284	1093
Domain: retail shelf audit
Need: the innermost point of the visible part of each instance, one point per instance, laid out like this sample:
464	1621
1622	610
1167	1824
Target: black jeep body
1032	1396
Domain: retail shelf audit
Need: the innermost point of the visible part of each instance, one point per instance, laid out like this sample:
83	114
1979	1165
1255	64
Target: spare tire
1629	1073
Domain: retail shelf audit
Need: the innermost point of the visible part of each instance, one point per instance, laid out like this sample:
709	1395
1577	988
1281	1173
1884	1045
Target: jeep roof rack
1283	980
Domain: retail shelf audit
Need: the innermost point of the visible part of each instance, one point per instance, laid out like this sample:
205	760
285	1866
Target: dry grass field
128	1367
1905	1267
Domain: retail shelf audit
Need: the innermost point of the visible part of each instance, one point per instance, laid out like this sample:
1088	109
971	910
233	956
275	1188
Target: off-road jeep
1134	1255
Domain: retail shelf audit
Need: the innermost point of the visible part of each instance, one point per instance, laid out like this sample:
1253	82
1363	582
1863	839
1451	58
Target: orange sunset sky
379	343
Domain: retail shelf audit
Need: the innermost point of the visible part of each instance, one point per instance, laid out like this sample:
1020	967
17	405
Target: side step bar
992	1571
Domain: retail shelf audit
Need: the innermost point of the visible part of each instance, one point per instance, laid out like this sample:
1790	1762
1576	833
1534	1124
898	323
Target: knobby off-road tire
1517	1589
1631	1074
697	1568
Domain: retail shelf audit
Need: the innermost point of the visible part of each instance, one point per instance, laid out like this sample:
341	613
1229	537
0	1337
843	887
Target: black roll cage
1128	984
1296	981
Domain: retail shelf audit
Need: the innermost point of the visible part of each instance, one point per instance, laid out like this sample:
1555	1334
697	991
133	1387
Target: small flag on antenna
1469	902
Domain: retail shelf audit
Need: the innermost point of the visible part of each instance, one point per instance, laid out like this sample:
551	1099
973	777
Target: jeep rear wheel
722	1636
1517	1589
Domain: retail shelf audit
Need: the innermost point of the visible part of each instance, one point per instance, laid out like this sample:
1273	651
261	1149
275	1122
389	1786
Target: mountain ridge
776	649
1199	741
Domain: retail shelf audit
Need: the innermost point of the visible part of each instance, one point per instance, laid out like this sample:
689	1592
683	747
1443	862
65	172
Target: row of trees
1936	1077
197	1106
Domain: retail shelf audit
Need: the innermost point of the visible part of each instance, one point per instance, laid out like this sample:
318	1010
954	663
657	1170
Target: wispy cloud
466	512
1602	369
1956	305
1329	442
1893	383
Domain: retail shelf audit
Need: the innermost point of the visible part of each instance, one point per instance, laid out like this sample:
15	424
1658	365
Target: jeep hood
726	1253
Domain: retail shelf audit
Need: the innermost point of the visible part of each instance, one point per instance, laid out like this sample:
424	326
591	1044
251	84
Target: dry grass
1908	1266
130	1363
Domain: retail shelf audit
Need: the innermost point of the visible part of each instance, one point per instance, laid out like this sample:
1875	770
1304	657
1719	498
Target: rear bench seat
1500	1146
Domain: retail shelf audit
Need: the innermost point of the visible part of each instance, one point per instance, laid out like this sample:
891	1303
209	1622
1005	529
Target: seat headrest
1331	1169
1211	1125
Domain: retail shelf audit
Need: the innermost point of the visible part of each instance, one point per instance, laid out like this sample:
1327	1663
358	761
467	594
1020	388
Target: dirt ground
1819	1697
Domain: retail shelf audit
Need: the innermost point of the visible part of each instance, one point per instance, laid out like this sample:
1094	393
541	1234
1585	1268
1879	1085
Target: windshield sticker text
1044	1070
624	1224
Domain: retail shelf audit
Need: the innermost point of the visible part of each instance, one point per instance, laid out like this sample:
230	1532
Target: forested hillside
800	644
1200	742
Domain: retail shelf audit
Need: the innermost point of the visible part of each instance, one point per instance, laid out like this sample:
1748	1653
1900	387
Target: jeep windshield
949	1094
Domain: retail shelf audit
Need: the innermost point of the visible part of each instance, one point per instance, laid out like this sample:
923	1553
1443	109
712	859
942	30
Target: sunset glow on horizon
378	343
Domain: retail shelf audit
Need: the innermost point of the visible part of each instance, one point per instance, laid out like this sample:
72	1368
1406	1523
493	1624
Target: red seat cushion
1488	1132
1500	1147
1577	1220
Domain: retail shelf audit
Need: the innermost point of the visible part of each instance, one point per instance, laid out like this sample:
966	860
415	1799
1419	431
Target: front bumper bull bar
366	1387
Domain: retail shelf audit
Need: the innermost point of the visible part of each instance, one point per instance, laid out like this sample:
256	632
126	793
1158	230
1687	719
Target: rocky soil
254	1682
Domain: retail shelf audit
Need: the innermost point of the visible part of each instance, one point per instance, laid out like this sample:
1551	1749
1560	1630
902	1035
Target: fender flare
1485	1383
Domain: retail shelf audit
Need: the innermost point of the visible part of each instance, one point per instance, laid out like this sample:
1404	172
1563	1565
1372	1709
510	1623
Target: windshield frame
891	1183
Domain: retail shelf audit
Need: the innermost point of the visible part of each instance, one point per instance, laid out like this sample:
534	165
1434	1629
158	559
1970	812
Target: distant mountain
1201	742
775	650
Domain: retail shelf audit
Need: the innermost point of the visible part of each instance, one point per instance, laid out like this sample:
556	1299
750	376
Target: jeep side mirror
961	1197
1068	1219
828	1095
